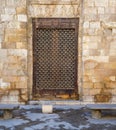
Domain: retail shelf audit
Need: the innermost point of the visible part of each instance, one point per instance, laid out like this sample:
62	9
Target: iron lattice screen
55	53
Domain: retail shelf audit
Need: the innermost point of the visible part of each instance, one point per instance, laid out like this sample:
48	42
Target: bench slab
101	106
7	110
8	106
96	109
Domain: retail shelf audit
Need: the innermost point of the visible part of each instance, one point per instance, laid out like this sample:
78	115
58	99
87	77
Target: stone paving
64	117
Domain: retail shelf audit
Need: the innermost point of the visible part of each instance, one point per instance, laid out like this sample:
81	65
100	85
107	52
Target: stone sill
66	102
54	2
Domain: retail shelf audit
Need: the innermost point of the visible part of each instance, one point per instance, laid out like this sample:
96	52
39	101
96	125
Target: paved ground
72	117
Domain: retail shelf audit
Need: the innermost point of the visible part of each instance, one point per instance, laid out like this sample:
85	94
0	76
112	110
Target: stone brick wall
13	51
96	46
51	9
99	51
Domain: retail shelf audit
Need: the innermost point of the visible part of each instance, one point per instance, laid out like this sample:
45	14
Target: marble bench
7	110
96	109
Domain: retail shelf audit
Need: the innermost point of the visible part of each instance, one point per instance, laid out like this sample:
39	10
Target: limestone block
98	58
86	92
92	45
14	93
21	84
112	3
114	31
85	47
88	85
3	55
20	2
54	10
94	91
112	59
90	64
17	31
12	38
96	78
85	52
54	2
100	10
94	24
11	79
3	3
109	25
86	24
23	25
24	97
92	39
14	72
9	45
101	3
6	17
12	59
10	10
112	52
47	108
1	31
21	10
86	78
90	10
10	98
103	97
22	18
111	85
93	31
110	10
23	78
24	91
13	25
89	3
17	52
114	99
1	38
88	98
10	3
113	44
92	17
21	45
94	52
112	78
110	65
107	17
98	85
16	3
3	84
108	33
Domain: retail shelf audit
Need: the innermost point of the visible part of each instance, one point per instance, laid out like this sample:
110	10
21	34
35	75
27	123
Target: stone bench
96	109
7	110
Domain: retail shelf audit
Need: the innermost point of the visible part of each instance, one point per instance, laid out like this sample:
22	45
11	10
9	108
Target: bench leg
7	114
96	114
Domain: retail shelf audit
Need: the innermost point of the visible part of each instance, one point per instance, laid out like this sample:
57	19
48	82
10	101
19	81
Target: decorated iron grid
55	55
55	58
